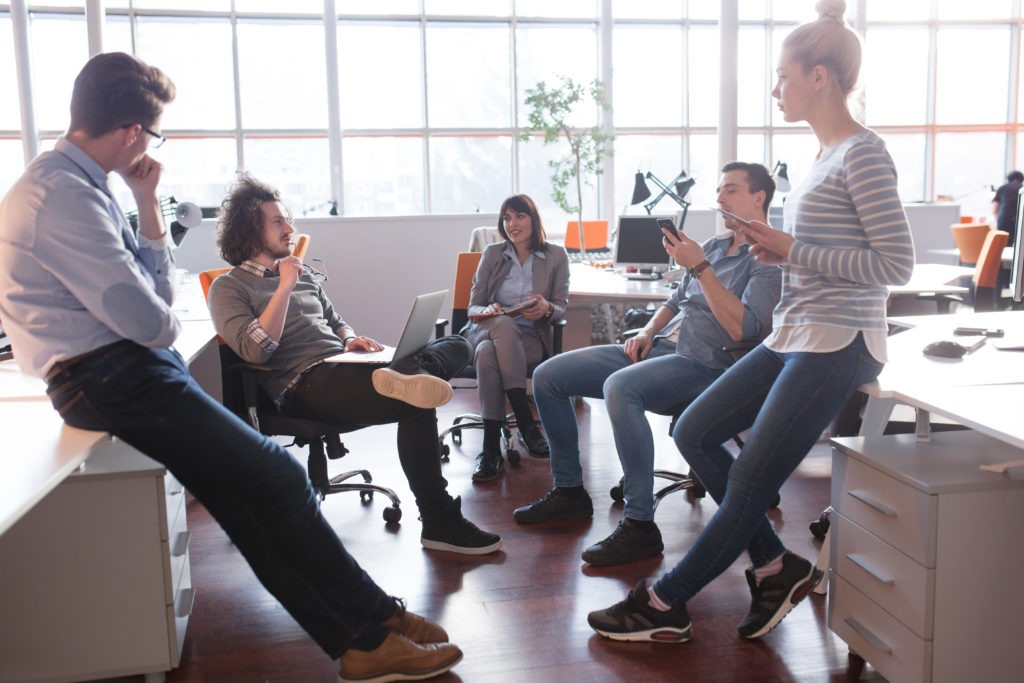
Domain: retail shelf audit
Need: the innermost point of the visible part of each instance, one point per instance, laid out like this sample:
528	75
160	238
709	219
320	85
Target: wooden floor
519	614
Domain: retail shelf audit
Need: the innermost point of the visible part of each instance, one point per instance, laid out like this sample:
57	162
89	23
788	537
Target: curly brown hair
240	220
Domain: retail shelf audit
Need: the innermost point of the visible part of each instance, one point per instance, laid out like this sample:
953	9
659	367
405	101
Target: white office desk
915	379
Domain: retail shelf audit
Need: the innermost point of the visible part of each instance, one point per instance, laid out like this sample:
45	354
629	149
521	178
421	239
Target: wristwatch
699	269
550	311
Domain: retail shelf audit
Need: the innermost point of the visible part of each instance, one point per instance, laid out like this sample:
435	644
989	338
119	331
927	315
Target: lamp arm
666	191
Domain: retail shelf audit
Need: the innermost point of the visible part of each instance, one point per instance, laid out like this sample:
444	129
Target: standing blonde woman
846	237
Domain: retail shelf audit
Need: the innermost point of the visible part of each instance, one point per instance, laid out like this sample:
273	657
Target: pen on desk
973	331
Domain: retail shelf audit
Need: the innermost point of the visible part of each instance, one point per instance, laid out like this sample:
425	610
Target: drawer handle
867	500
183	605
866	566
867	635
181	542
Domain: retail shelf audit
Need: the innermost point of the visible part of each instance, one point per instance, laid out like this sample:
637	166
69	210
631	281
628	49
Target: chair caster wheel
392	515
445	451
819	528
457	437
366	496
617	494
513	456
698	490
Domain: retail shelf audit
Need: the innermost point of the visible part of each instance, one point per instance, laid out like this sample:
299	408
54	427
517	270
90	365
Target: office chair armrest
439	326
556	341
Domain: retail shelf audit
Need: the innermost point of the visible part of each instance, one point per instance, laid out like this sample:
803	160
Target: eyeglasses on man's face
159	139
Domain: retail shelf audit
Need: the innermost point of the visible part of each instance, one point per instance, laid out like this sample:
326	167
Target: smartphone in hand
667	224
733	216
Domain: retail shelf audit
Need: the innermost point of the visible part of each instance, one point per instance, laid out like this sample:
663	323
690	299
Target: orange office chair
969	237
244	397
986	272
465	268
595	234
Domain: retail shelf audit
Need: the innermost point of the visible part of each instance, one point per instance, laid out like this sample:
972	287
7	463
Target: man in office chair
271	311
725	297
87	305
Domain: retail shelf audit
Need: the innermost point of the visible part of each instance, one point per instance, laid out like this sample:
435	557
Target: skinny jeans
659	382
787	400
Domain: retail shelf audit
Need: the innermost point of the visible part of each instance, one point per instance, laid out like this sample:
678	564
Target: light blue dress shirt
73	276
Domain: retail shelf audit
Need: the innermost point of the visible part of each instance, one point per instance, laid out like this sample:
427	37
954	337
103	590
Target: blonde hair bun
831	9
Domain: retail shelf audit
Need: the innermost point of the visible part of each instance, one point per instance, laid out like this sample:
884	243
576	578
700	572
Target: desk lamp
781	175
681	183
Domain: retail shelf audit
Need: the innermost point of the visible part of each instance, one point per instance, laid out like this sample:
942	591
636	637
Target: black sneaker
534	441
628	543
488	466
777	594
635	620
553	506
447	529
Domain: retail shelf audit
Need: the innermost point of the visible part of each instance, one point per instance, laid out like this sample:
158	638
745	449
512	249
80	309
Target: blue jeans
786	400
254	489
661	381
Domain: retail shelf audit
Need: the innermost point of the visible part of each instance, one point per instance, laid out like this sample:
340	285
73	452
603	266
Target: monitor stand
644	274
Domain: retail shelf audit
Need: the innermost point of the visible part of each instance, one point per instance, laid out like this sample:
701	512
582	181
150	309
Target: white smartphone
731	215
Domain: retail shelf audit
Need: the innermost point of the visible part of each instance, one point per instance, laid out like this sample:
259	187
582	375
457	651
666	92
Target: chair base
316	466
680	482
473	421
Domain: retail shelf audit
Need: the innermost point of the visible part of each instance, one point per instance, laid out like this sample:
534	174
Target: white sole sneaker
422	391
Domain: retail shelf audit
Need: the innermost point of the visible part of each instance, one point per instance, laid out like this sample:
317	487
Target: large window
422	99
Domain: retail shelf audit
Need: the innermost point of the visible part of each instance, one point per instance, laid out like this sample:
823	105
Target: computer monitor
1017	267
638	244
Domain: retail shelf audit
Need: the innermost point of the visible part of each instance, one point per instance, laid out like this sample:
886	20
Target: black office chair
466	266
243	396
678	480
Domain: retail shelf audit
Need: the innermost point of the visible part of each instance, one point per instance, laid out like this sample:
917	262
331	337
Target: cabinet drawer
178	613
884	574
893	649
894	512
176	557
174	495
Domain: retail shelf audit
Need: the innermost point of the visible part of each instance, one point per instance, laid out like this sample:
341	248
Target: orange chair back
968	238
465	269
986	272
595	234
207	277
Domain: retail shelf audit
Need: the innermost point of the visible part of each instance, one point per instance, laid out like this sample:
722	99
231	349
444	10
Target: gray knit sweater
313	330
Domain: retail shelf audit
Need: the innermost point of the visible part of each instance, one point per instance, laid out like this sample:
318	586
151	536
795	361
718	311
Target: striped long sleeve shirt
852	240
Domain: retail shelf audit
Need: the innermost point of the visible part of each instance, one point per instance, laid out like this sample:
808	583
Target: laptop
419	330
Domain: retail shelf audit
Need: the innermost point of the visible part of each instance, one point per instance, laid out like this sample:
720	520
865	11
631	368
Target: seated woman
524	267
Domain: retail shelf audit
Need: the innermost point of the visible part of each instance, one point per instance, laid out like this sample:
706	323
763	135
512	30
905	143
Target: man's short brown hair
114	90
240	221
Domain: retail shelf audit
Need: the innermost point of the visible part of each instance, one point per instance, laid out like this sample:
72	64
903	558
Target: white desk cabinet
926	556
95	577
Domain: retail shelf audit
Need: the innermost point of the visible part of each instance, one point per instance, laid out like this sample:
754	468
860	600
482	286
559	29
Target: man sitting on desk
87	304
271	310
725	297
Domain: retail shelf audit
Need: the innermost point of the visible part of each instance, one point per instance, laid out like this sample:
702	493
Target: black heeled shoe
488	466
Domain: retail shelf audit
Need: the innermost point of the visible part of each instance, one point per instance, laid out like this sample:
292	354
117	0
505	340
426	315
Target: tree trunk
579	207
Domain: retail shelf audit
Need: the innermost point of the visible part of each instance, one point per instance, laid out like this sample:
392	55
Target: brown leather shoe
414	627
397	659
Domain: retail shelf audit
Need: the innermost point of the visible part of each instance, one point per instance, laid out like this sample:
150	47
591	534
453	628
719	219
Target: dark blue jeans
343	394
786	400
252	487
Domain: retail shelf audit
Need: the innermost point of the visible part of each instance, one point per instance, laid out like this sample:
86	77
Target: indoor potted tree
550	108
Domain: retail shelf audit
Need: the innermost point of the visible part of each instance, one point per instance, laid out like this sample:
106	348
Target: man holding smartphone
725	297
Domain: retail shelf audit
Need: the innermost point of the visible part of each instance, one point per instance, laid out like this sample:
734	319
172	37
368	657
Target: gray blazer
550	280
